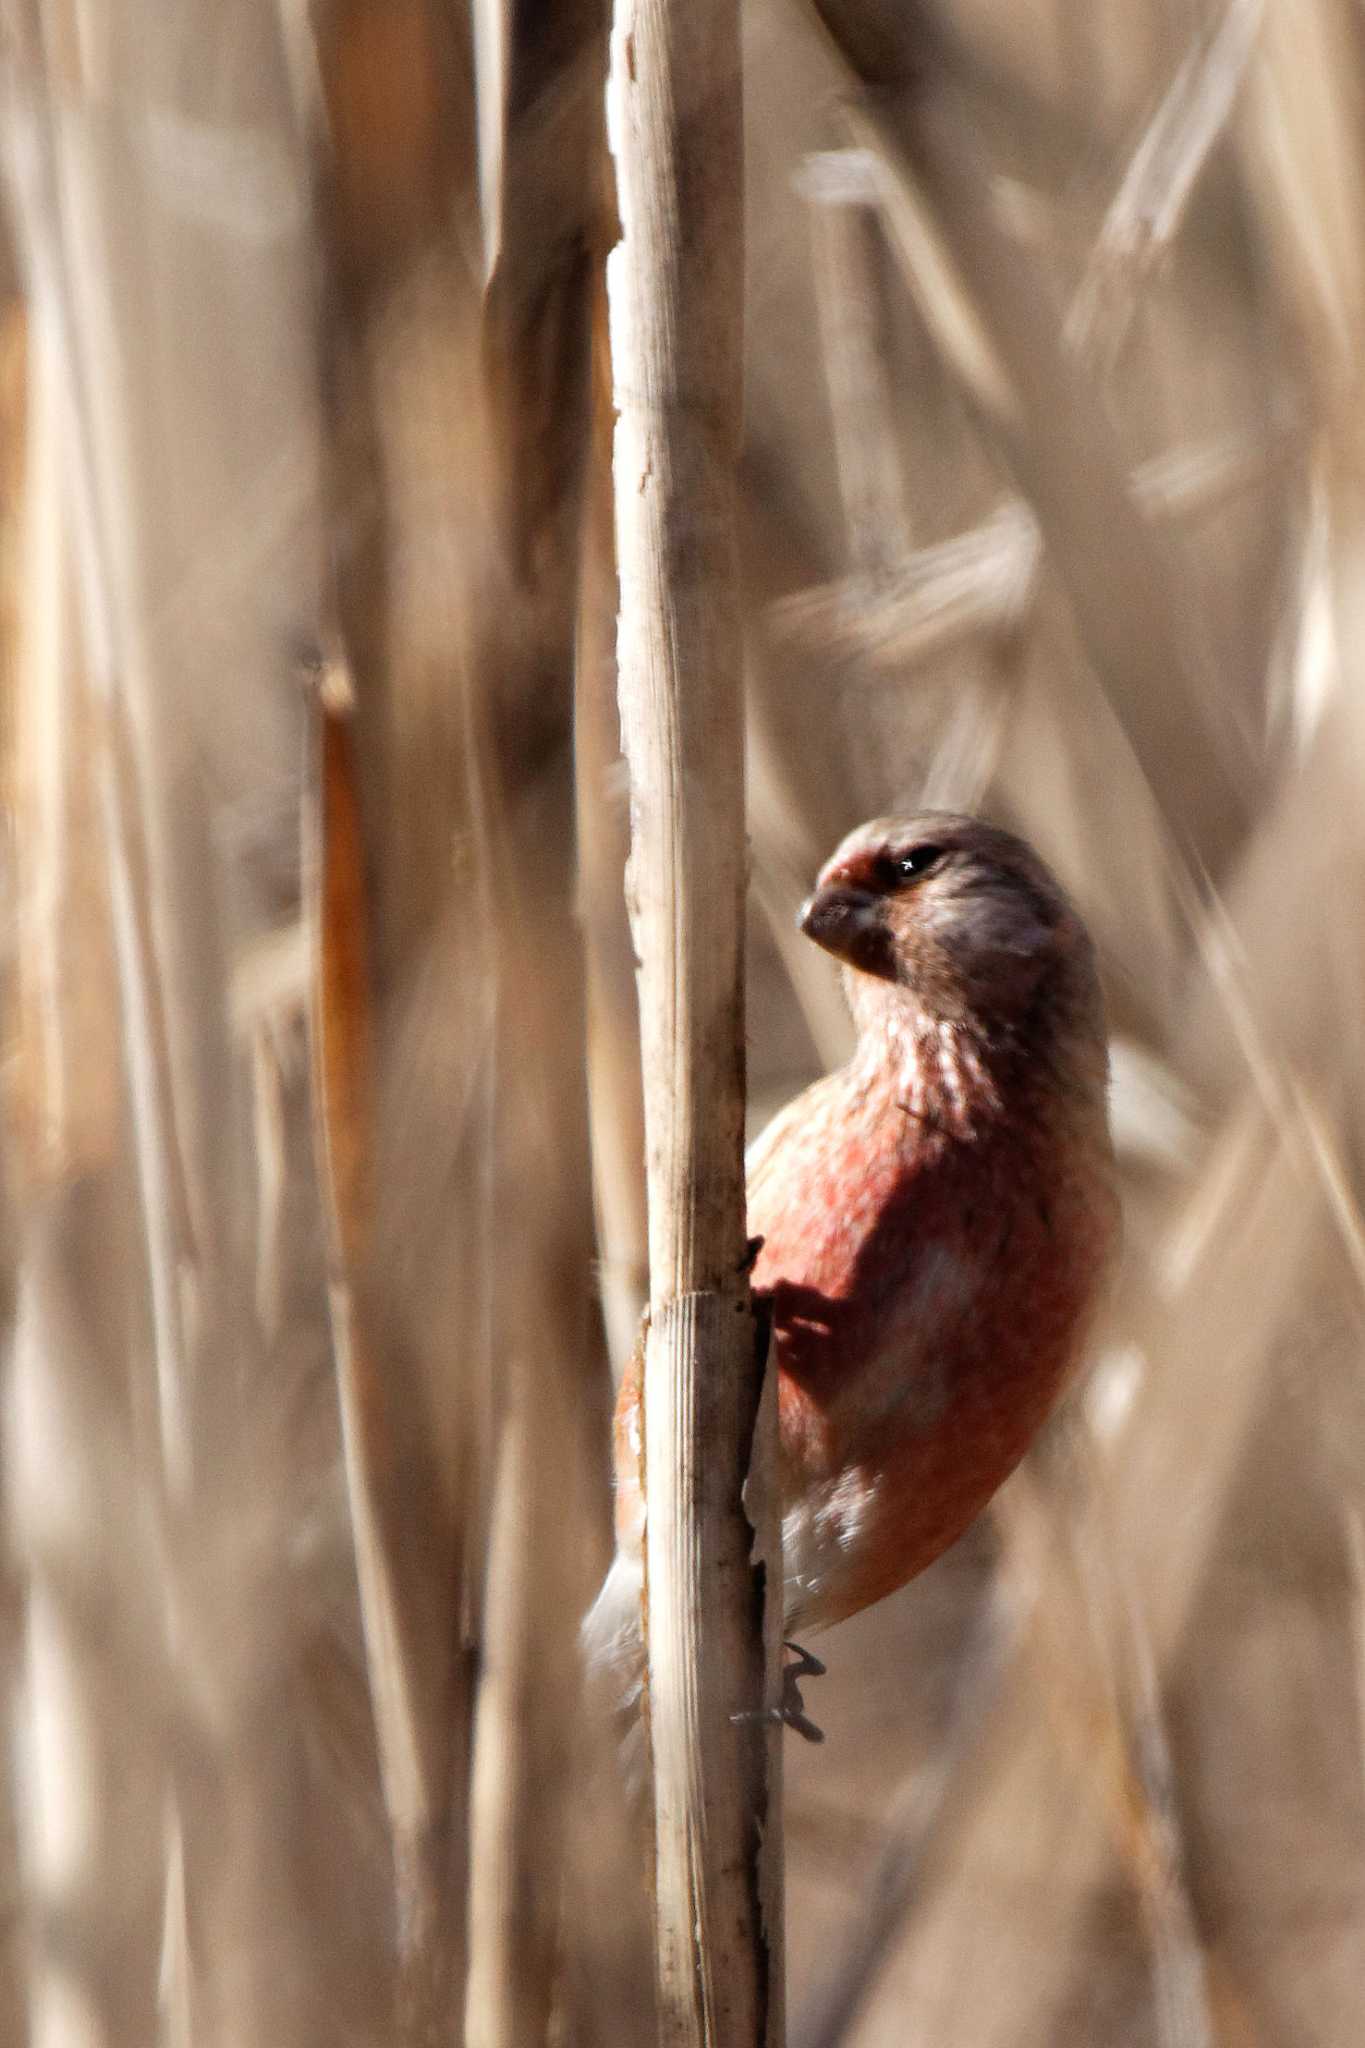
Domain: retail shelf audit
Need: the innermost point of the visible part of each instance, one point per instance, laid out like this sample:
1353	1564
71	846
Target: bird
932	1224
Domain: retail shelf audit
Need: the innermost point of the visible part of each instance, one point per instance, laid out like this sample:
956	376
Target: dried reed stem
675	286
404	1558
849	250
65	1014
548	1382
615	1110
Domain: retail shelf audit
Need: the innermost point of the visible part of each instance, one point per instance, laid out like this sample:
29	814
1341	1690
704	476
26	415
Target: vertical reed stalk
675	292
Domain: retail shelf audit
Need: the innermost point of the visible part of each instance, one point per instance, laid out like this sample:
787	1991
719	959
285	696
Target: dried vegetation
323	1202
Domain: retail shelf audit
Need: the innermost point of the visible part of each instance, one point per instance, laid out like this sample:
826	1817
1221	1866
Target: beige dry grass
1053	502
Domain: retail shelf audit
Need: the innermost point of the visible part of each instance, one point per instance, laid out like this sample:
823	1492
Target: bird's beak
849	923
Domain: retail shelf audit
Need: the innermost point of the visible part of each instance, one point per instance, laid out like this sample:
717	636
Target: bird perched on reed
936	1219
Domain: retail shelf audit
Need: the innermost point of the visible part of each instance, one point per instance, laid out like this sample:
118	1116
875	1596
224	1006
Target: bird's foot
791	1709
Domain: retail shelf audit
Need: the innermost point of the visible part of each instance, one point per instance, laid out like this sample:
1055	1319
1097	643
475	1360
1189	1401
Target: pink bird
936	1219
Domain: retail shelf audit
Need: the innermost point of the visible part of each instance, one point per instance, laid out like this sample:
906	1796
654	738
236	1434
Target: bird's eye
918	861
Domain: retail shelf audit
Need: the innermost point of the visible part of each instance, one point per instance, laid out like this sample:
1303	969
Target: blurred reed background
323	1196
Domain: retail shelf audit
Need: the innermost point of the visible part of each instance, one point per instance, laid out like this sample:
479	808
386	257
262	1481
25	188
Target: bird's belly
855	1529
901	1416
822	1530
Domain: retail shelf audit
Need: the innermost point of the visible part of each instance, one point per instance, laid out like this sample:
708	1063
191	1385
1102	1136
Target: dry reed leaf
63	1087
1129	622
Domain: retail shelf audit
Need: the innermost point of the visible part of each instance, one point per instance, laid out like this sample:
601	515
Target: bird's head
958	915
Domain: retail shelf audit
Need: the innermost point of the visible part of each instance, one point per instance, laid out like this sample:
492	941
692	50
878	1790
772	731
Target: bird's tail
612	1643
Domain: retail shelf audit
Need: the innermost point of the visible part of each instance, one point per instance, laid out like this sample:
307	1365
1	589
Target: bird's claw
806	1665
791	1711
752	1247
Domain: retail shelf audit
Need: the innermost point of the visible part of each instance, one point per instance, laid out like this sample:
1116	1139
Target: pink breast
926	1313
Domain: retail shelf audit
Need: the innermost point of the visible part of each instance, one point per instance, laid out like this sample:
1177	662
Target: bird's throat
939	1074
